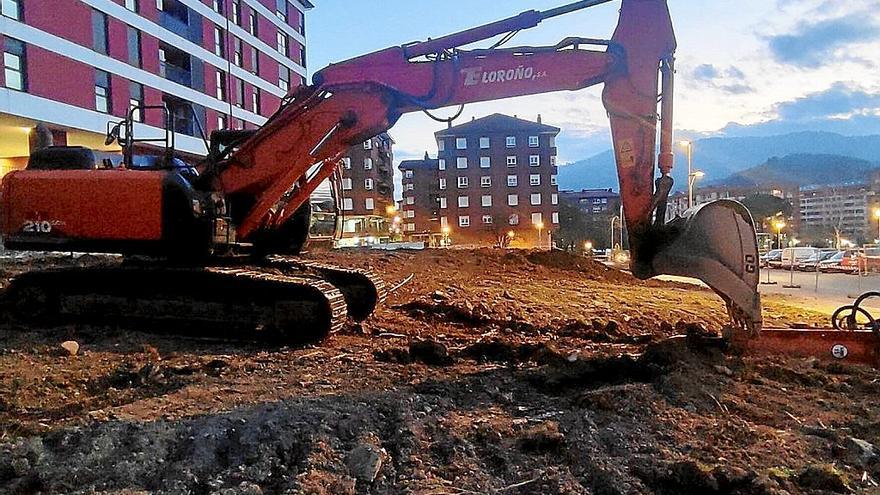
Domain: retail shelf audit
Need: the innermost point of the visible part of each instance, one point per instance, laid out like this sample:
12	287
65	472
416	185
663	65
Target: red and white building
77	65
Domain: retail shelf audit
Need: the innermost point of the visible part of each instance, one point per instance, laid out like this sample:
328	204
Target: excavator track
363	289
238	303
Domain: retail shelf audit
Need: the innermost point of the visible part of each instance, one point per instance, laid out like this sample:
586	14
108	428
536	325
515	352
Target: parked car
792	257
832	264
810	264
772	258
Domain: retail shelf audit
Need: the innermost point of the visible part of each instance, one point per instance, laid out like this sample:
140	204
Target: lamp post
779	226
877	216
615	218
689	146
540	227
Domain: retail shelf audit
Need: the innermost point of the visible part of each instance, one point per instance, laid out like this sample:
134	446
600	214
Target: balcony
176	74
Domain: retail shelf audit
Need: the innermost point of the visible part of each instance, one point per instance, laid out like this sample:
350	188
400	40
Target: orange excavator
212	243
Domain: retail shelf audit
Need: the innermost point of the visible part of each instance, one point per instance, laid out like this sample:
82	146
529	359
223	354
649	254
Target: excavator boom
354	100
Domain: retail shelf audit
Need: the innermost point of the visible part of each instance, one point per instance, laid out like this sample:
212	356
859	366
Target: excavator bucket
716	243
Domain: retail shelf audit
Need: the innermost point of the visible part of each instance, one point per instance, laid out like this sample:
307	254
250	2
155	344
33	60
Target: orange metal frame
862	347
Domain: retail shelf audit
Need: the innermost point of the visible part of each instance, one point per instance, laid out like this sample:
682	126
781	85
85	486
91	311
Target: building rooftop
498	122
591	193
424	164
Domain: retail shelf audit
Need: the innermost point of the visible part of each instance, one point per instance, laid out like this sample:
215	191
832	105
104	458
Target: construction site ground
490	371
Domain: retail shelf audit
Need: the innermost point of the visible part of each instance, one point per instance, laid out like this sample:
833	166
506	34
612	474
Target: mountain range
740	159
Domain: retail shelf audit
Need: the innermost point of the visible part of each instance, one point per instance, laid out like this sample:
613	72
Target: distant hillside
720	158
801	170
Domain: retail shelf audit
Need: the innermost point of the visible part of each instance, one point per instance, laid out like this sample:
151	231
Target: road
834	289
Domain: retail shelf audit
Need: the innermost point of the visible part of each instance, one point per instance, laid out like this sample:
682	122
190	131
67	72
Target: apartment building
492	176
77	65
678	202
368	191
848	208
595	203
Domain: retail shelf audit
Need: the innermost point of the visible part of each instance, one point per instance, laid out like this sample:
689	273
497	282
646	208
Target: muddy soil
488	372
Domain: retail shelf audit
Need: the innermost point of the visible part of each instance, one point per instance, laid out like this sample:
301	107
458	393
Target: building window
239	93
512	181
99	32
131	5
409	187
253	26
12	9
461	143
555	217
441	164
484	143
442	203
281	9
535	160
409	214
442	183
510	142
511	161
485	181
553	181
485	162
462	182
486	201
410	227
102	92
444	222
368	145
537	218
136	101
221	122
534	180
464	201
410	200
512	200
219	45
346	184
284	77
221	85
255	61
15	64
554	199
408	174
461	162
236	11
217	5
346	163
237	57
283	44
368	184
487	219
369	204
535	199
464	221
533	141
134	47
347	204
513	219
552	161
441	145
368	164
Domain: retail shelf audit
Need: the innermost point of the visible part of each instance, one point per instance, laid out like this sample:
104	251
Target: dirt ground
488	372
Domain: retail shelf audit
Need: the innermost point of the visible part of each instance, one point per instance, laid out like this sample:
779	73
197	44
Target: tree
765	205
576	227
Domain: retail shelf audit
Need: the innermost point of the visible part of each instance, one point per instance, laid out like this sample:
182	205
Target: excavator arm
355	100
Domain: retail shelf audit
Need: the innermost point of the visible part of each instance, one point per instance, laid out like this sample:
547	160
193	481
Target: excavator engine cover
716	243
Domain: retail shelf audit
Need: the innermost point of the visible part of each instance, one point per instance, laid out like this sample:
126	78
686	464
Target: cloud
730	80
841	99
815	44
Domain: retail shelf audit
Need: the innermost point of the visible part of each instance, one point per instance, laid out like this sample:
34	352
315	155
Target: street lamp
877	216
779	226
588	248
689	146
692	179
446	231
540	227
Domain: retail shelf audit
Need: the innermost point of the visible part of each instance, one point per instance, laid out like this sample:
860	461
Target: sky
744	67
